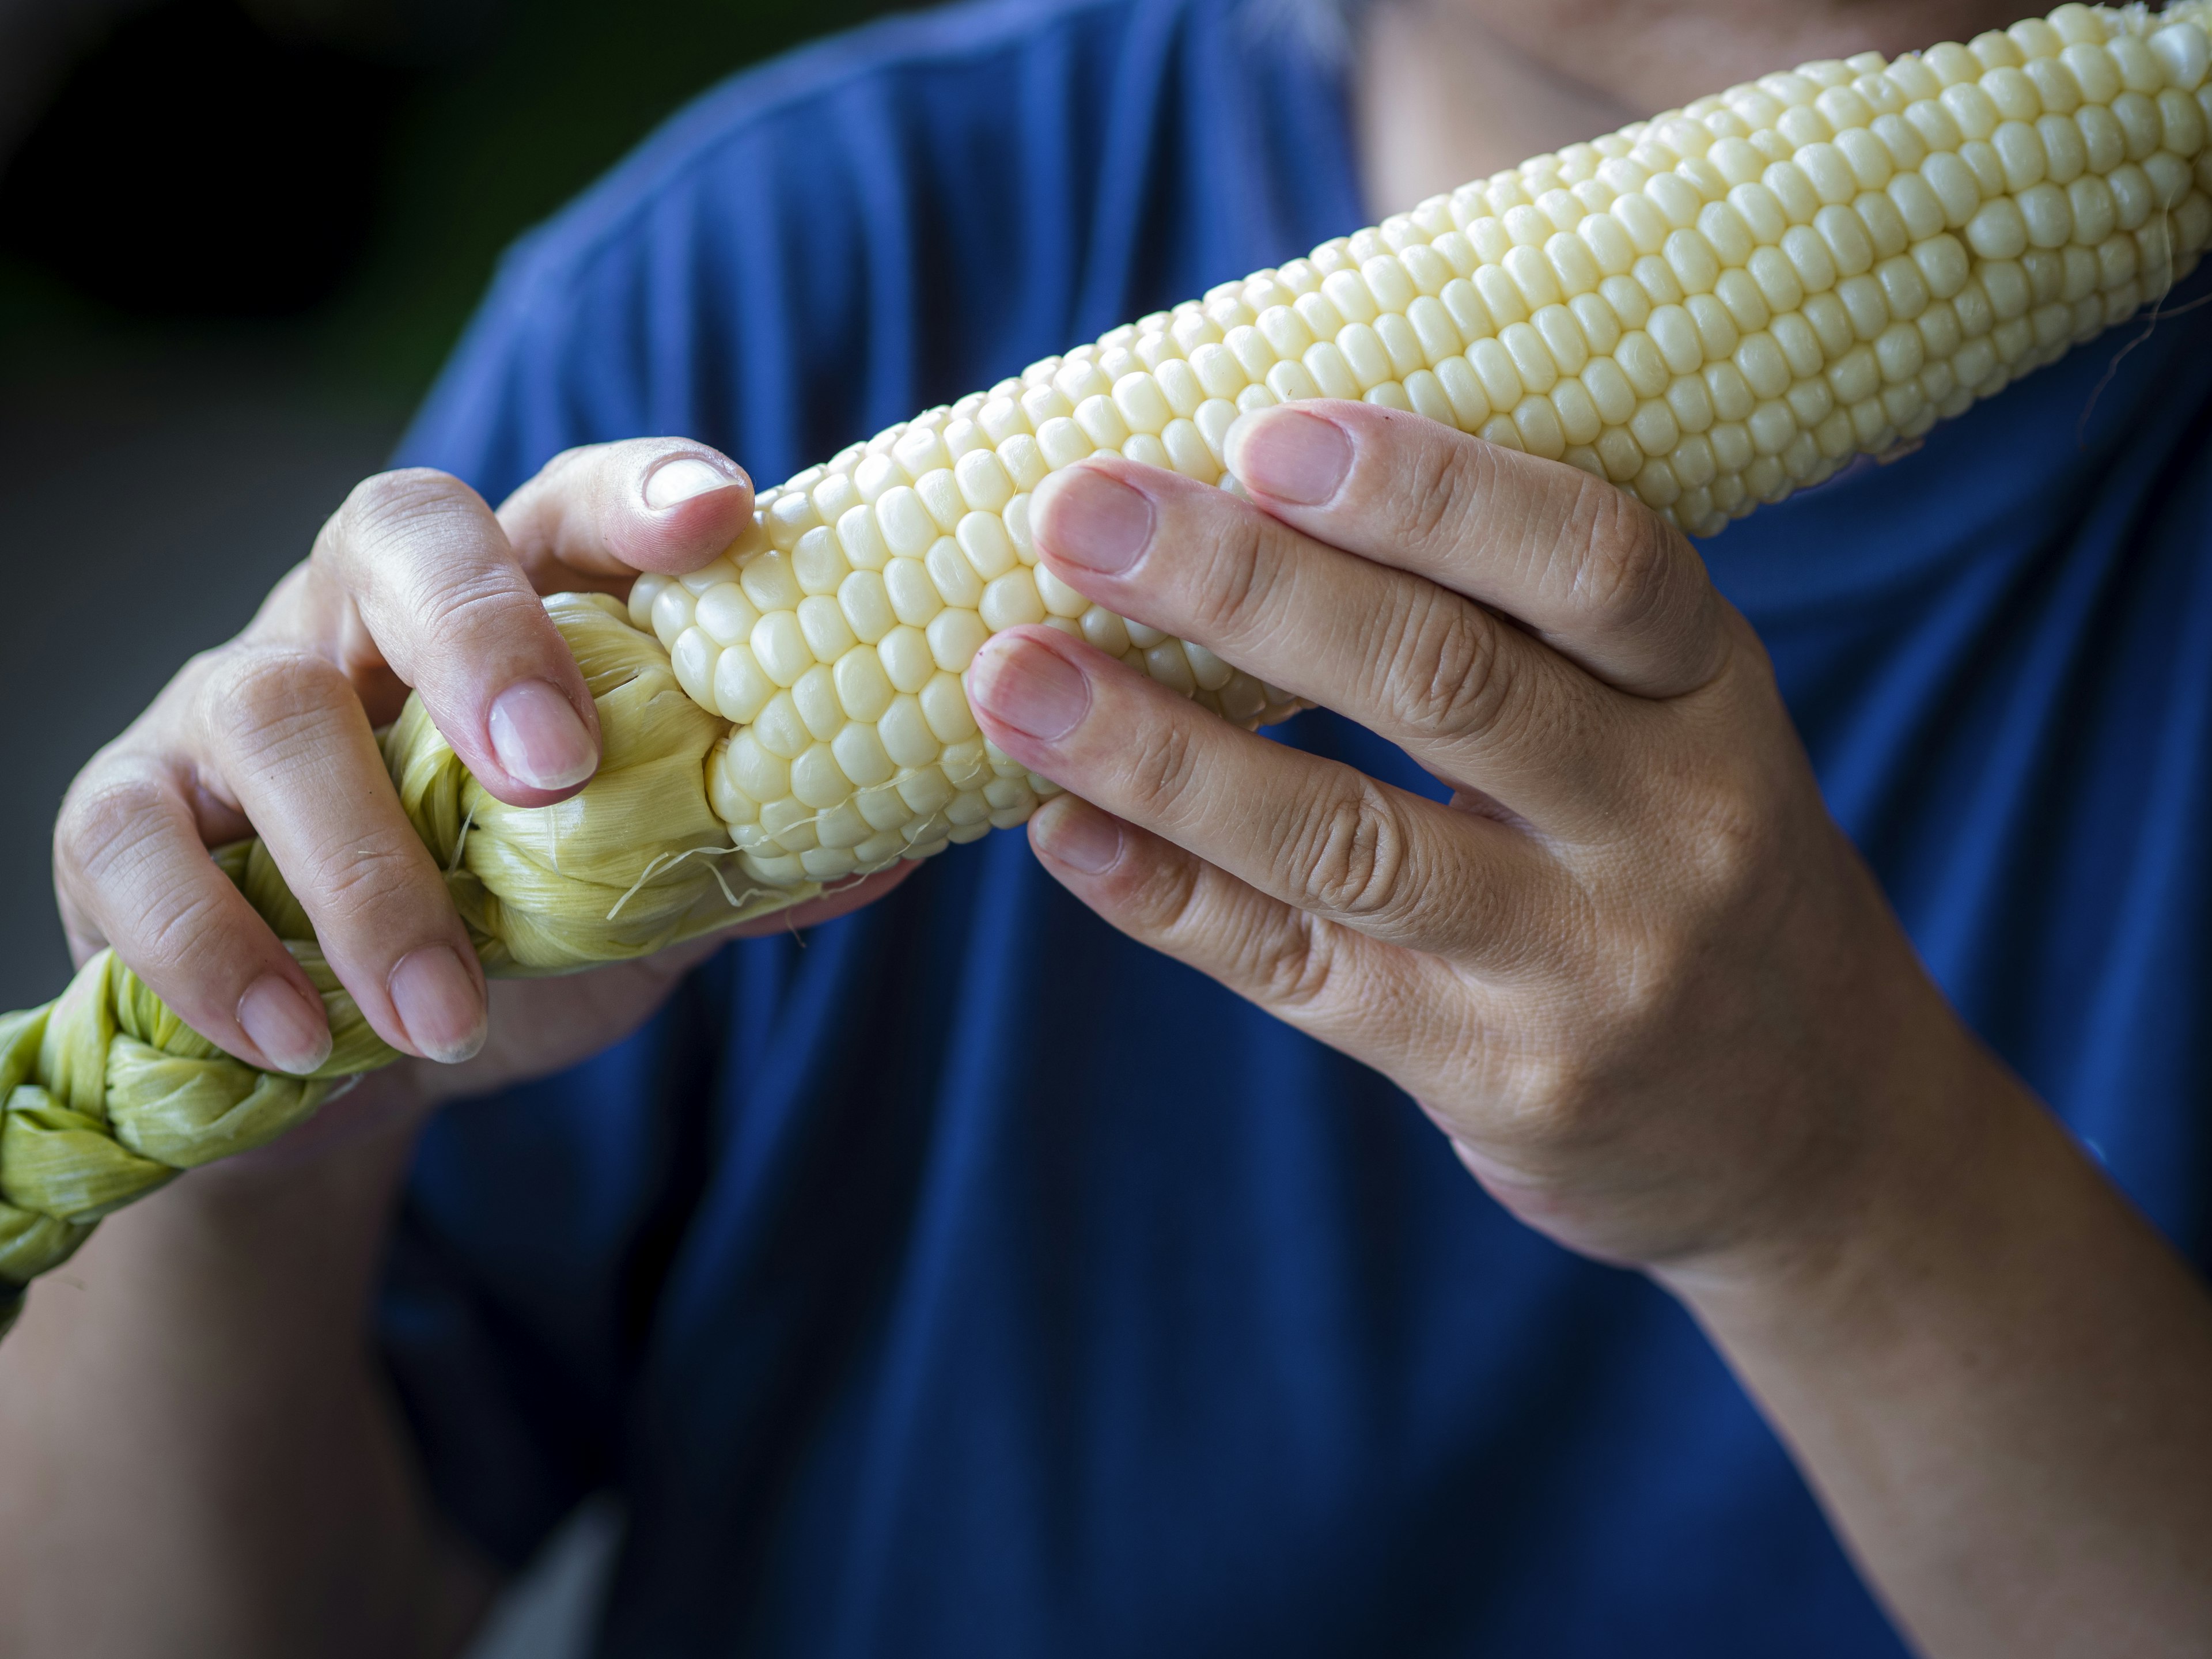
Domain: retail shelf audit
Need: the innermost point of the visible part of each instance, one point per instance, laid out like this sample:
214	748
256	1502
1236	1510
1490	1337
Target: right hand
415	583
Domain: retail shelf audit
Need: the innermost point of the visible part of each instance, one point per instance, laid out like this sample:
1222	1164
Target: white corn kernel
1711	308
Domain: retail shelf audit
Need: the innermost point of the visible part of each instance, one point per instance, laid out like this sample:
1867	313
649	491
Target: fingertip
439	1002
685	508
1071	833
540	738
286	1023
1294	455
681	478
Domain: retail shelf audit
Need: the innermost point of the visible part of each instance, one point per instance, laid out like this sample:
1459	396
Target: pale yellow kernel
2181	123
1609	390
815	697
1998	231
817	780
2183	53
780	729
1493	368
1656	278
1654	428
780	647
915	597
909	741
1467	313
1717	332
1579	420
1692	407
1011	601
1810	400
1864	304
739	690
944	706
950	574
1673	331
1322	320
725	614
1618	454
1730	394
1106	630
839	827
955	635
823	624
1532	361
1538	427
1470	404
762	775
907	523
863	689
983	541
769	583
1062	442
880	807
1179	384
1403	345
1694	461
1426	395
983	482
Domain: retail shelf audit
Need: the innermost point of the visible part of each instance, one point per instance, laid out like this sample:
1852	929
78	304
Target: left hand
1633	969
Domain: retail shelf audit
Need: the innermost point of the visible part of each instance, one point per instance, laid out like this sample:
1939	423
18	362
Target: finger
1402	1011
283	729
611	510
1308	831
1468	695
1593	572
440	590
131	869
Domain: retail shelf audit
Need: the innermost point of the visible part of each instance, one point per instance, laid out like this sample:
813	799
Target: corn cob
1711	308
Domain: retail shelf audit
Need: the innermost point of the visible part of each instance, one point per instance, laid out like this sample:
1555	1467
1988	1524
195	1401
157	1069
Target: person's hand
1633	969
414	583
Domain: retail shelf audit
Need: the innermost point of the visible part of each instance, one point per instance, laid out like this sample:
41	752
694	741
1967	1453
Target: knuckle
1440	485
1297	964
1233	591
269	700
1443	672
458	606
344	882
1353	852
181	930
105	817
1161	765
403	505
1628	555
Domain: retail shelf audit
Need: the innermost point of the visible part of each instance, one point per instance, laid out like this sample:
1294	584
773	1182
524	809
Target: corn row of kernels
1711	308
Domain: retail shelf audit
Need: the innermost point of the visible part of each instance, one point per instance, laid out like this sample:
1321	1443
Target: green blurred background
236	240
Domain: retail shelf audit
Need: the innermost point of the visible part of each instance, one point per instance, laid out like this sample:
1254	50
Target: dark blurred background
237	237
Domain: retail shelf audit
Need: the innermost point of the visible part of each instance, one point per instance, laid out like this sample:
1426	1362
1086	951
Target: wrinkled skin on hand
1633	969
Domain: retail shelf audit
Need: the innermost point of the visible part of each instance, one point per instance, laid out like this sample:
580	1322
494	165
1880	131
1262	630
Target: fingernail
1292	456
539	738
1094	521
294	1037
680	479
1078	833
1031	687
437	1001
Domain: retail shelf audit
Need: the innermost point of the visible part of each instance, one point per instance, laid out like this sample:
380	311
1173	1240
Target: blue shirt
964	1280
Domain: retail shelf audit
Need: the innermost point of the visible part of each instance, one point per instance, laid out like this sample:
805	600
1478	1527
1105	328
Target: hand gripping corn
1710	309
